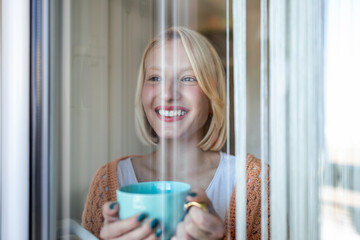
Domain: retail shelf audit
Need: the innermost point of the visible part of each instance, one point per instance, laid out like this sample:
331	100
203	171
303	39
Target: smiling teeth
176	113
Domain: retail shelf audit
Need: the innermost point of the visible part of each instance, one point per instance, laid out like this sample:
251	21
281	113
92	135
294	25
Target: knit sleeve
92	218
253	204
102	189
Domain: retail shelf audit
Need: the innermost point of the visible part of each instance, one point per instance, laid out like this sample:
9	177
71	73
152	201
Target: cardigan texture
104	184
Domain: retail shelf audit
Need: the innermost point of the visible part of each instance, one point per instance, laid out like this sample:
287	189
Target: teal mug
163	200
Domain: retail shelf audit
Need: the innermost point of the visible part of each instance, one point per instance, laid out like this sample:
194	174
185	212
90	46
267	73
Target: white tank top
219	190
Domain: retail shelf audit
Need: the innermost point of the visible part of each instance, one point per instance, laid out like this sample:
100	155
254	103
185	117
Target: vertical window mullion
264	90
278	124
15	119
239	45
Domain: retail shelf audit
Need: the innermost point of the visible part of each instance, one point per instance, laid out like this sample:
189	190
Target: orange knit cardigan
104	185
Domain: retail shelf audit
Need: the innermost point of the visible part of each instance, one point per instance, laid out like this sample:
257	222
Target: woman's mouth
171	113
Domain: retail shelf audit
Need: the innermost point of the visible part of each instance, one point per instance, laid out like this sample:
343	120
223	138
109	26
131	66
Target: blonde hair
210	75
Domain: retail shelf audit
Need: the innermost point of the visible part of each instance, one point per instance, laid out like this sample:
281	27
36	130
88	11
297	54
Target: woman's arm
92	218
100	215
253	206
137	227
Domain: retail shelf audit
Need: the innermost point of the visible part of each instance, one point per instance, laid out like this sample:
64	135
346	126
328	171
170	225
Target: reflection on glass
180	105
101	54
180	108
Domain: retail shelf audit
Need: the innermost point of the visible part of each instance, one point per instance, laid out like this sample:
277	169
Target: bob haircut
210	76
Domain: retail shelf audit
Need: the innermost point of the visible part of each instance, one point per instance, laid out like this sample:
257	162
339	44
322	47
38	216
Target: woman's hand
199	224
130	228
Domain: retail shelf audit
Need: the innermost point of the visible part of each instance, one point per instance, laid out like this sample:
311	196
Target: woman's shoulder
253	164
251	160
105	178
107	171
113	163
225	157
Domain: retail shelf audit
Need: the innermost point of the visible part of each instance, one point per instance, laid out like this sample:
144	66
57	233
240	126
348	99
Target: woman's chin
174	137
171	138
180	136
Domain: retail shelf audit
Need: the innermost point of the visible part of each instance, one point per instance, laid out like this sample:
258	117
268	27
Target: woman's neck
176	154
178	161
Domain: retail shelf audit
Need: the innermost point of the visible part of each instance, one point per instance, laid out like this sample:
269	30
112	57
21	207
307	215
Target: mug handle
202	206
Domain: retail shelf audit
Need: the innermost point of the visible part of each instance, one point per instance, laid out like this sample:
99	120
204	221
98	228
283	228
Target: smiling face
173	102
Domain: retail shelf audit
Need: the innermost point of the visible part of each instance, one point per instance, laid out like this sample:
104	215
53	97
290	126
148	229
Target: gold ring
202	206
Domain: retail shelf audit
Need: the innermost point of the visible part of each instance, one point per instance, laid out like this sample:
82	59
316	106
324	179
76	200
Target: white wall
130	29
253	78
89	100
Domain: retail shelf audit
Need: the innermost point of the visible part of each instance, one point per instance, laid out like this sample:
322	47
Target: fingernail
192	194
154	223
158	232
112	205
141	217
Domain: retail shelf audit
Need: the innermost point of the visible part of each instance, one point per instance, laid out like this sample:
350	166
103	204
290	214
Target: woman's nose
170	91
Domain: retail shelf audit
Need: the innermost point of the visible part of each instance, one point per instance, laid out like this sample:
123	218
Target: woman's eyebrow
153	68
183	69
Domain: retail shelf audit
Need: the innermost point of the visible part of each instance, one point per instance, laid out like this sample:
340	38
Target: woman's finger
121	227
193	230
110	212
181	233
202	225
199	195
151	237
147	230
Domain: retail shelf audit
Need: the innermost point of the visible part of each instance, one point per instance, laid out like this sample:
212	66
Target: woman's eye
188	79
154	79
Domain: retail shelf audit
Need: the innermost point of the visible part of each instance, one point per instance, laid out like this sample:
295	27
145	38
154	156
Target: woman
181	108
